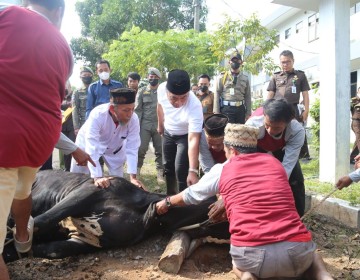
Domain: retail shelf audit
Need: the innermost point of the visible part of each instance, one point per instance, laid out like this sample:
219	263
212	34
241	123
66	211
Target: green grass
313	185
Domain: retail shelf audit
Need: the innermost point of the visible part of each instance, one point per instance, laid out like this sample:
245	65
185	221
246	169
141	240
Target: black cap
122	95
178	82
214	125
235	55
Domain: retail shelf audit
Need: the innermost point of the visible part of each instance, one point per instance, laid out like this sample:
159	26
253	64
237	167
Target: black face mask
86	80
235	65
153	82
204	88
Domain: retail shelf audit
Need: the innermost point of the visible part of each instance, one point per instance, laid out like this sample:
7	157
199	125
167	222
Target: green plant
315	114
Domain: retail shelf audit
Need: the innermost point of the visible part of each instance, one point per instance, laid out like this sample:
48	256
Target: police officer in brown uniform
205	96
233	95
355	124
289	84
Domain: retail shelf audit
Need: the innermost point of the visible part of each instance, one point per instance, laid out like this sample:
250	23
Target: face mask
235	65
153	82
204	88
104	76
86	80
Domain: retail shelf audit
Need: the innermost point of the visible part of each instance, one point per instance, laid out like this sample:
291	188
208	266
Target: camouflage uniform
79	104
145	108
355	125
233	97
281	83
207	103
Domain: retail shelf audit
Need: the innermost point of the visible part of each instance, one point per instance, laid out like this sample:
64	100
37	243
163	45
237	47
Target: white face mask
104	76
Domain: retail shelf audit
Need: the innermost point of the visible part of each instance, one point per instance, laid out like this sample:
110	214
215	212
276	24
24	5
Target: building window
287	33
277	39
313	27
299	27
355	9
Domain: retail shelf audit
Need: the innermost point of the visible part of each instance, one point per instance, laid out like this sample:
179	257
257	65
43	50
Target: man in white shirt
112	132
180	121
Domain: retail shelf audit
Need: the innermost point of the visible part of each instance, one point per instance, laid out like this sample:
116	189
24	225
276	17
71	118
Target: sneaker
24	247
160	177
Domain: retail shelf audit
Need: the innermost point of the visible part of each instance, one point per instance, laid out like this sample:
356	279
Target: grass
313	185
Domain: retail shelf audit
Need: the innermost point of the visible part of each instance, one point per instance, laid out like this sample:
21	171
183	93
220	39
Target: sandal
24	247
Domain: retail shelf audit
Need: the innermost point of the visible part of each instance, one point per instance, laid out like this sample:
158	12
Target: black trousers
296	182
176	159
235	114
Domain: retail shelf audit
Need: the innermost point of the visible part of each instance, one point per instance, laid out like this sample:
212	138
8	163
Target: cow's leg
73	204
62	249
51	250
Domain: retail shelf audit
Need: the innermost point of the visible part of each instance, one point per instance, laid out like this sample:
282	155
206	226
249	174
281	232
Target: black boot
171	185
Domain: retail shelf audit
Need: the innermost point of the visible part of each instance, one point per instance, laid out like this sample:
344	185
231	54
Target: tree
137	49
106	20
255	40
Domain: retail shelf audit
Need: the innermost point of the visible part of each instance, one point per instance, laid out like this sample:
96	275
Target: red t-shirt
261	209
35	62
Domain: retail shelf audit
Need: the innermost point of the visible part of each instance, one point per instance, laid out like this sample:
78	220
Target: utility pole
196	4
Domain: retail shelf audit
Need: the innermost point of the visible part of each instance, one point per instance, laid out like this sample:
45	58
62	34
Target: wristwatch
196	171
167	201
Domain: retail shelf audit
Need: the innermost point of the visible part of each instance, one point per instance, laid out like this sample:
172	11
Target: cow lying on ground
120	215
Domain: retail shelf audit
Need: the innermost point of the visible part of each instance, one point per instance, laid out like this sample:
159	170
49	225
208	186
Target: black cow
120	215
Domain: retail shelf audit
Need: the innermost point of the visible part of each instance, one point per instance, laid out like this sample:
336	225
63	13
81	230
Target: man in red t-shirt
35	62
267	237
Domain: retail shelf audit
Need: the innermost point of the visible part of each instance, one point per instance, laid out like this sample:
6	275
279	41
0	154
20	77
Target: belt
233	103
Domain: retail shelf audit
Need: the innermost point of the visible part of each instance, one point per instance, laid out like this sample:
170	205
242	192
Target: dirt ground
338	245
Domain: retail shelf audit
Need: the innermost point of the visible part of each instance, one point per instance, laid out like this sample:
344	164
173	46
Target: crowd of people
193	130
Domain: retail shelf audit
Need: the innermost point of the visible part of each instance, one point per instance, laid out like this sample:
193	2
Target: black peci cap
214	125
122	95
178	82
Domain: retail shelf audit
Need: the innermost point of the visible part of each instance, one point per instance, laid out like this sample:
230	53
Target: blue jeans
175	158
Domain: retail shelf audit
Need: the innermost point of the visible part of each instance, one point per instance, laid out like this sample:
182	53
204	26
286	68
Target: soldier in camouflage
79	98
233	97
145	108
355	124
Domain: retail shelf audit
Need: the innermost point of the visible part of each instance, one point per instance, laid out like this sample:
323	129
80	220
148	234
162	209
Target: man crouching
267	237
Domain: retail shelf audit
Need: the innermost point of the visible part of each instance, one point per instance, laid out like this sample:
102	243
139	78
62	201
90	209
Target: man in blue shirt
99	92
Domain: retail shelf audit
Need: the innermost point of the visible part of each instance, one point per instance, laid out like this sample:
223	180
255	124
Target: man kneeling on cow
112	131
267	237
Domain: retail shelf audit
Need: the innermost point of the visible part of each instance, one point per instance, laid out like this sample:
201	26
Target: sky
236	9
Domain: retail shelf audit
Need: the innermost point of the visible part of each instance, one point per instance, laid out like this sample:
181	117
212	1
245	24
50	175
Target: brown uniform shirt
241	89
207	103
281	83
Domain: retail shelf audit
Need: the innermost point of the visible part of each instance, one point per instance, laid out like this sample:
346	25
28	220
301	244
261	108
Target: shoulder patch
277	72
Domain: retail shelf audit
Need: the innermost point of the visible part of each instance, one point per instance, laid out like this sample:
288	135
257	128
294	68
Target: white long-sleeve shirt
99	136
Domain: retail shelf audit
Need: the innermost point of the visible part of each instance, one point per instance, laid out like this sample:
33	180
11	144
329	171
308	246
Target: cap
86	69
154	71
235	55
123	95
214	125
178	82
240	135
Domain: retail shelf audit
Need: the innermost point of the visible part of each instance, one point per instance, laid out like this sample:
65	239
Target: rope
316	206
